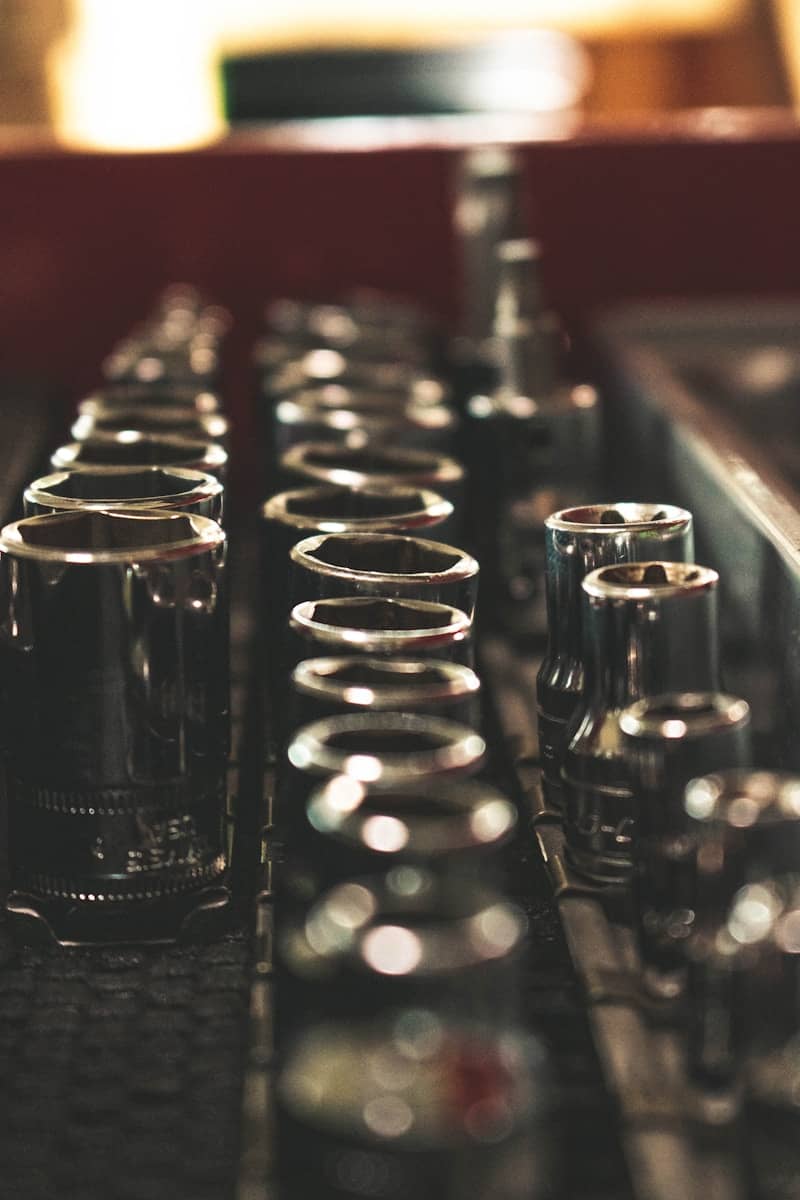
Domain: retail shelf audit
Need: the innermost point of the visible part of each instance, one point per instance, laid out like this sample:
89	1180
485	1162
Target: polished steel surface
669	740
383	565
404	422
115	630
649	627
367	466
377	626
577	541
325	686
112	487
130	448
169	421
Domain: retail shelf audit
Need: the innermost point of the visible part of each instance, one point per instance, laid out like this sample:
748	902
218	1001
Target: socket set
434	837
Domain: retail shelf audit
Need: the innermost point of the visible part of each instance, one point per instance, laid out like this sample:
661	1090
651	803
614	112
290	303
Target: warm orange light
143	74
138	76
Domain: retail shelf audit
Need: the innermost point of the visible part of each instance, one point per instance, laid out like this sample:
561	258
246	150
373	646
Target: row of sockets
403	1065
115	651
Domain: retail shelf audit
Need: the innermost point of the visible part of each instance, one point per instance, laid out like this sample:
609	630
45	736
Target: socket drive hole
354	505
378	615
386	555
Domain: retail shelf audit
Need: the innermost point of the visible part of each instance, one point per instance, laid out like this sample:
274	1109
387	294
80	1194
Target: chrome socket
130	448
577	541
379	1096
164	422
374	625
116	632
529	455
321	366
375	466
128	396
383	750
669	740
383	564
326	687
121	487
746	827
454	829
290	517
404	939
400	420
486	213
649	628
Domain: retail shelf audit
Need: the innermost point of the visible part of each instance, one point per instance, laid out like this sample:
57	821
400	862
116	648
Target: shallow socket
639	579
118	486
377	615
138	451
317	506
366	465
181	422
157	395
621	515
433	821
381	554
115	533
391	682
386	749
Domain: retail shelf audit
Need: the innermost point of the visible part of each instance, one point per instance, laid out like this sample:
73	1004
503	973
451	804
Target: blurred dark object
521	71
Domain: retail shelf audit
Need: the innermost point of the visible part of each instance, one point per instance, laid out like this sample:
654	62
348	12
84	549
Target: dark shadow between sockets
385	564
115	487
133	449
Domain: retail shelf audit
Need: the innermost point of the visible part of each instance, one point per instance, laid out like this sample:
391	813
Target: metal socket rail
676	1142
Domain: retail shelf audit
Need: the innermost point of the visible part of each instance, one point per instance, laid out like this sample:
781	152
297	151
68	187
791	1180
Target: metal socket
374	625
325	687
321	366
120	487
404	939
387	1099
354	829
669	740
456	830
384	750
746	827
577	541
487	212
375	466
402	422
290	517
155	395
165	422
527	455
130	448
382	564
649	628
116	632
